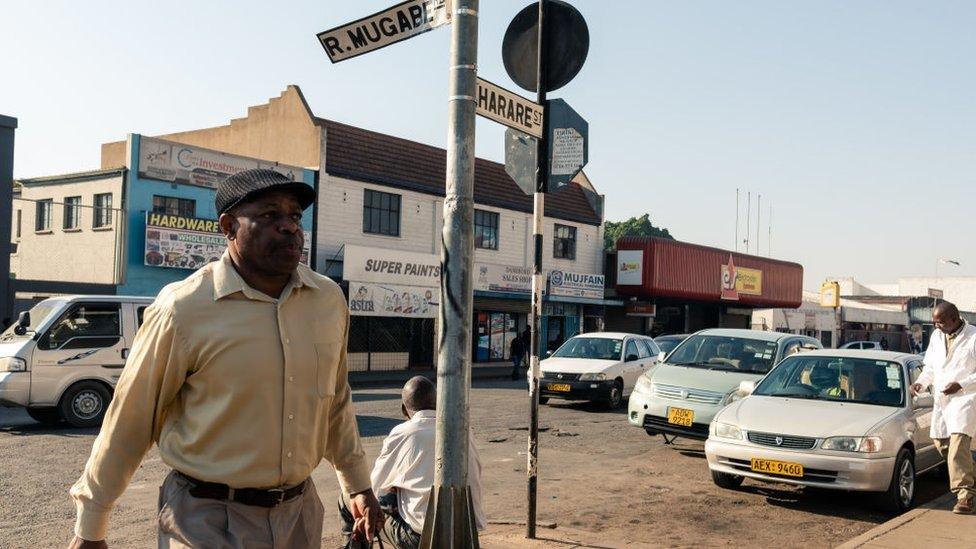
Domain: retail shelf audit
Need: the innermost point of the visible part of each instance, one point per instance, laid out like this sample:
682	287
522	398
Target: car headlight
868	445
13	364
643	385
726	430
593	377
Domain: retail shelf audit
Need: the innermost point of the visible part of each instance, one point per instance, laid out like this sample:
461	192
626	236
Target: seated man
827	380
404	471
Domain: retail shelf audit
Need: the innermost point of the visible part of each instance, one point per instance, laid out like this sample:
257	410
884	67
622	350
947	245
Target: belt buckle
277	495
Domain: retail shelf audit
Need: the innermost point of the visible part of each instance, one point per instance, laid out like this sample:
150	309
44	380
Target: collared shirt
406	463
951	338
234	386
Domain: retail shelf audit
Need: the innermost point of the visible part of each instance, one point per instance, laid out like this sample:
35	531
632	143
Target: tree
635	226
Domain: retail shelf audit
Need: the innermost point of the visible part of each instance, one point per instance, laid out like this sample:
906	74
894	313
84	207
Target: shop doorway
494	333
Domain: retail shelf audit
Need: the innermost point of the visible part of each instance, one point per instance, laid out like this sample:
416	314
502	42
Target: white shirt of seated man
406	465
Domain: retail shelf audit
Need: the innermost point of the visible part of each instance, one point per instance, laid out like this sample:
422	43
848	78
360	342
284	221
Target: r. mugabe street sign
510	109
402	21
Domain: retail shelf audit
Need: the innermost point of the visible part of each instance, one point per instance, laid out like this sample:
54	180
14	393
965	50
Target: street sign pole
538	216
450	518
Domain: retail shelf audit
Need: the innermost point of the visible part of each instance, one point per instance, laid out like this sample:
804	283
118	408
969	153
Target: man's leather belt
247	496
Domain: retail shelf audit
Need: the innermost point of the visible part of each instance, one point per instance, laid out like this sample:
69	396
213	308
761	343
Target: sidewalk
932	525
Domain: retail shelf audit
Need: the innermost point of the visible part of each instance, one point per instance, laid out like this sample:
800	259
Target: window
72	211
642	349
485	230
43	218
103	210
140	315
18	223
381	213
171	205
564	242
631	349
85	326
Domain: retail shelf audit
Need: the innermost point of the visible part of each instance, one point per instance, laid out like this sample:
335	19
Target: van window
85	326
642	348
140	313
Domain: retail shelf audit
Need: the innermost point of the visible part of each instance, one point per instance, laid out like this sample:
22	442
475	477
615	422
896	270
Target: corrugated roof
374	157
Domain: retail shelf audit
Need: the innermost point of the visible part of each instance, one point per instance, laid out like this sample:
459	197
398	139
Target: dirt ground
603	483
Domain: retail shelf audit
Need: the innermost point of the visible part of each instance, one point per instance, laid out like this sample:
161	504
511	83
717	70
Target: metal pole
769	239
748	217
758	223
538	217
736	240
450	519
7	127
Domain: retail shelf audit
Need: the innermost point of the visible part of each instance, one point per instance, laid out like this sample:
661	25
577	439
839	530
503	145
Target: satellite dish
567	42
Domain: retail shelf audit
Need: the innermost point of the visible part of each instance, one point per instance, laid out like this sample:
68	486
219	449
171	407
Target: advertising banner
189	242
179	163
630	267
564	283
502	278
395	267
373	299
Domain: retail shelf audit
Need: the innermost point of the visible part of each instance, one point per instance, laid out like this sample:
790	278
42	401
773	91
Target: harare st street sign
508	108
402	21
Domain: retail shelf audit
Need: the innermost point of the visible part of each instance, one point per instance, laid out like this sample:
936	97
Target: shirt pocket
327	357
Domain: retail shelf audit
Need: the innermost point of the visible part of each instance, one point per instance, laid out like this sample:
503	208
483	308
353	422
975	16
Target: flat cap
245	185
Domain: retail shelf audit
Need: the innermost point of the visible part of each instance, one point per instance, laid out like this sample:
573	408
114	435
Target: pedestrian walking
950	369
516	353
238	374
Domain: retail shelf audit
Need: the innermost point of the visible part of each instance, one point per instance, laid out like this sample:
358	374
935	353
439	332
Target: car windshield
600	348
38	314
667	344
843	379
737	354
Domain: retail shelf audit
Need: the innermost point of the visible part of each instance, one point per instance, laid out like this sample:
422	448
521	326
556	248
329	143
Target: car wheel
901	492
84	404
543	400
727	481
616	397
46	416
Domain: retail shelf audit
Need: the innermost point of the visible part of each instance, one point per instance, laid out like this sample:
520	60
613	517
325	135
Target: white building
960	290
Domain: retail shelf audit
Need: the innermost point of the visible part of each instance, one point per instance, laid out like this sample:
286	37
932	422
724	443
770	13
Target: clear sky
856	120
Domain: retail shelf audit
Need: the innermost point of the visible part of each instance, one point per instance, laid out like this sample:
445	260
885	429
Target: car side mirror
548	353
746	388
632	358
661	355
924	401
23	322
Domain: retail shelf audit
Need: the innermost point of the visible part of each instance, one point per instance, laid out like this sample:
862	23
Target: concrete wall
85	254
340	221
280	130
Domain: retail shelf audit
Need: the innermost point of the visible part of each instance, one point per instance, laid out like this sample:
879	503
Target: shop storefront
393	303
676	287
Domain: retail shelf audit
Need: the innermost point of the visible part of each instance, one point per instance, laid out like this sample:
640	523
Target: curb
884	528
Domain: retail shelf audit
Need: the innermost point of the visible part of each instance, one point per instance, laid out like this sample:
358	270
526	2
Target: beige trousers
957	451
189	522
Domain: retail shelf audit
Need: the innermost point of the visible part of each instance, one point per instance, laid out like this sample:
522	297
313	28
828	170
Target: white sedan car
833	419
599	366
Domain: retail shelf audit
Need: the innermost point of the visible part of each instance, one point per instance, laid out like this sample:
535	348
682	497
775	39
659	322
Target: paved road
598	474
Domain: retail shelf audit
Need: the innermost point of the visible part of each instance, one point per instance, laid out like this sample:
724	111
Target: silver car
834	419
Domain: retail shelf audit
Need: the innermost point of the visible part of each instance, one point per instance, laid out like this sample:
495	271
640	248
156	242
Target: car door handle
125	353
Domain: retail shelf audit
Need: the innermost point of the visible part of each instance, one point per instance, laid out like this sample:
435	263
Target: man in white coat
950	369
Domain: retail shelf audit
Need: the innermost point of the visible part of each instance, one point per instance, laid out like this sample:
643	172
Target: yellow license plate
774	467
562	387
681	416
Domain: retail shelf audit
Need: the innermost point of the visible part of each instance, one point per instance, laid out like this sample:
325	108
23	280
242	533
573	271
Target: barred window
564	242
485	230
171	205
381	213
72	212
103	210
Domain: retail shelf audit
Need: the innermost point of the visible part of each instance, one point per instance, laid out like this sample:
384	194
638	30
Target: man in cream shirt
403	474
238	374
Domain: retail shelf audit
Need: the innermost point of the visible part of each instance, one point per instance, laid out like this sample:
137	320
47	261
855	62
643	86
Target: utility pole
736	240
538	217
758	223
748	217
450	517
7	126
